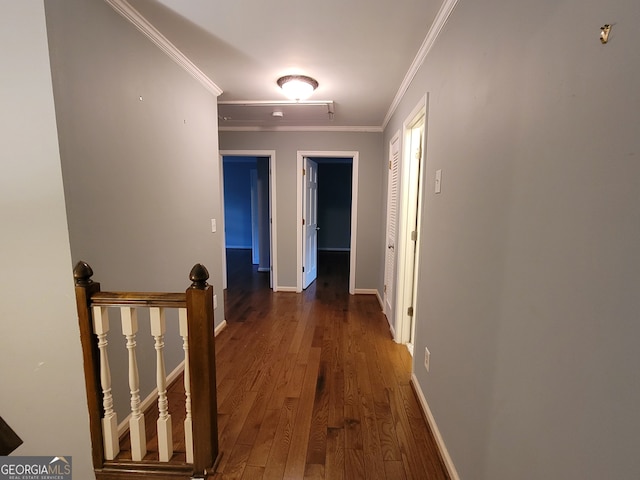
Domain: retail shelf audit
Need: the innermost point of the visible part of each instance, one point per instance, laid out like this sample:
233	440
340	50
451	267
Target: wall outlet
213	225
215	302
427	354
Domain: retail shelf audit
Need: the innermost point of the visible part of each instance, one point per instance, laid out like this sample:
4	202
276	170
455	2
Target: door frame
354	155
407	275
273	247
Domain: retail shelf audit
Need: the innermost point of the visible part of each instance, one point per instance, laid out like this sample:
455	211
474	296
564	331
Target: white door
310	223
407	279
392	215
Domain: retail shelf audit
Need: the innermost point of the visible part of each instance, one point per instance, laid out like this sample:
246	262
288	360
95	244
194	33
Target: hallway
312	386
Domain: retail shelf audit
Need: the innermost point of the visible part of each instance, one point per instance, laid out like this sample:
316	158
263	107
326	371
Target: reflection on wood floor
311	385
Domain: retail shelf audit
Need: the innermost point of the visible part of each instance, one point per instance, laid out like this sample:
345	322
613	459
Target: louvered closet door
392	216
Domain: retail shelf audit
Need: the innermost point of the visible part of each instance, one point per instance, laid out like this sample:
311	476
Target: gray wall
42	384
370	201
140	176
530	256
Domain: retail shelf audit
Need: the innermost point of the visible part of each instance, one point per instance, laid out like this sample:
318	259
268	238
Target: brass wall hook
604	33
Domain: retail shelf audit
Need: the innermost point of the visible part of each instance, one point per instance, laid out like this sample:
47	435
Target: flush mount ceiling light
297	87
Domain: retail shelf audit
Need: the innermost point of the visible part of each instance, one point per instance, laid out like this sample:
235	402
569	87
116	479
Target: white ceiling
358	50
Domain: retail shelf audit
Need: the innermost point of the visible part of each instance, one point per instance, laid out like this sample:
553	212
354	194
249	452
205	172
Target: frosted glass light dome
297	87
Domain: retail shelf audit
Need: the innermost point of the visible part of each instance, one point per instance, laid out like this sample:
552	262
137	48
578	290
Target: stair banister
200	401
85	289
202	370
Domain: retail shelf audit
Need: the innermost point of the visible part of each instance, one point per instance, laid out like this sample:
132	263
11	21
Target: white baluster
188	427
110	420
137	431
165	438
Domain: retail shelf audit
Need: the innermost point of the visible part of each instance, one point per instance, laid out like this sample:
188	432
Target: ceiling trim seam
432	35
142	24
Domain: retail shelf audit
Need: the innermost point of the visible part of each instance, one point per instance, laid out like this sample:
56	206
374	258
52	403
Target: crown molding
133	16
432	35
319	128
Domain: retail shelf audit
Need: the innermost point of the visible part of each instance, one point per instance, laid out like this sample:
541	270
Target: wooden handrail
139	299
198	301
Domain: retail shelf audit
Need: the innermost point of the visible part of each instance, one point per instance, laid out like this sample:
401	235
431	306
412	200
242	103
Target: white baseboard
220	328
365	291
392	330
448	462
380	301
370	291
286	289
123	426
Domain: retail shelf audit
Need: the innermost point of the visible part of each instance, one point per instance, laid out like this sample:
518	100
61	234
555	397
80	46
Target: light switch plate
438	181
427	356
213	225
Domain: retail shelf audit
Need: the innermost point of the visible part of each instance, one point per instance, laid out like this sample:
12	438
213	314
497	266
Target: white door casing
415	150
273	242
354	155
409	228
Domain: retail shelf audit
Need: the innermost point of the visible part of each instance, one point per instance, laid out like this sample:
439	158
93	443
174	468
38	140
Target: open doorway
327	209
248	204
412	182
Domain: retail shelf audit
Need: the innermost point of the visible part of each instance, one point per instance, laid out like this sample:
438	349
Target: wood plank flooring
312	386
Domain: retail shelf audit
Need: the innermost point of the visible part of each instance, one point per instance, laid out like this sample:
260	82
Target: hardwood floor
312	386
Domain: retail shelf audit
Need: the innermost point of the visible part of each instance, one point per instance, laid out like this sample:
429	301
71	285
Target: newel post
85	288
202	365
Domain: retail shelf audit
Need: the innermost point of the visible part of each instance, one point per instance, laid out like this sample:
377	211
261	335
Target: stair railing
196	326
